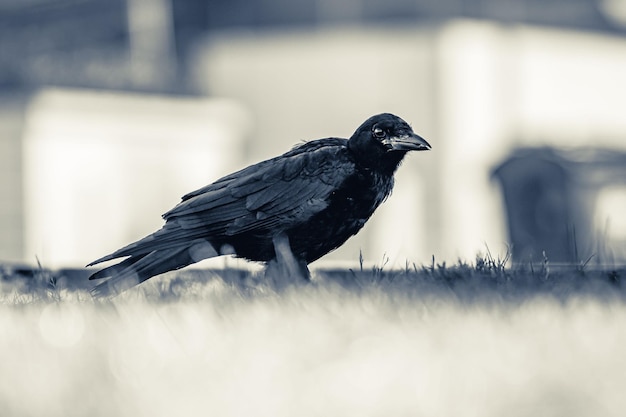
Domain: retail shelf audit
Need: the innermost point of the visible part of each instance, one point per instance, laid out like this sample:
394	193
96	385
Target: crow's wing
277	193
267	197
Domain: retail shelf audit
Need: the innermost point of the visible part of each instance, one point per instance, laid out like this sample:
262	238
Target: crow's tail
138	268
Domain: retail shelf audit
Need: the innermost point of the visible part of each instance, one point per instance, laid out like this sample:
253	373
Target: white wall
100	168
503	87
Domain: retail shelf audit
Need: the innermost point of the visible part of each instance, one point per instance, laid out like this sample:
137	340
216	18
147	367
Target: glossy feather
317	195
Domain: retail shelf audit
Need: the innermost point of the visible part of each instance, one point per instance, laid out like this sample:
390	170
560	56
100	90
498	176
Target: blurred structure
478	79
552	199
477	90
147	45
100	168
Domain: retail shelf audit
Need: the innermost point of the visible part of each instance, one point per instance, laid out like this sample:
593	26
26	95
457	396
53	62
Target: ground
468	340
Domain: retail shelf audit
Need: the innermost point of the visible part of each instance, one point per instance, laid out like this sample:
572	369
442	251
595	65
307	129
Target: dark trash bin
550	196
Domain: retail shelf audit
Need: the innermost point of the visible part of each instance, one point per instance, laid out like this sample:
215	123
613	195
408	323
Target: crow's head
383	140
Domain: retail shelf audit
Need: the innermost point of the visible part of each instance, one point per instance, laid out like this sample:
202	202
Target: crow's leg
285	268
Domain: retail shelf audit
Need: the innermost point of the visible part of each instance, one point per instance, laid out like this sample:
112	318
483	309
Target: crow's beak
408	142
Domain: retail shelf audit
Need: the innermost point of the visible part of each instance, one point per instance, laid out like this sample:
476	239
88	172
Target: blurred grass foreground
463	340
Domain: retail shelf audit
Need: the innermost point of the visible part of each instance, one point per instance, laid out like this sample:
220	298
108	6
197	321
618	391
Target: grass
470	339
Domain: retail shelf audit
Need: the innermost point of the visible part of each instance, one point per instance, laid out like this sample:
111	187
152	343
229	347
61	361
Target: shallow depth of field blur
463	340
111	110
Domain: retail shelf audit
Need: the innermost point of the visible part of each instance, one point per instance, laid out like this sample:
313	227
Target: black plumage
287	211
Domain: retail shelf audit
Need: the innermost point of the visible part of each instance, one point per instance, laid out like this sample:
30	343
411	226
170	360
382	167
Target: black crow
287	211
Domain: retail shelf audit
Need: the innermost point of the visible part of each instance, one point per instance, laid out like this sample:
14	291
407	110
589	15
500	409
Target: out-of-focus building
149	45
101	167
478	79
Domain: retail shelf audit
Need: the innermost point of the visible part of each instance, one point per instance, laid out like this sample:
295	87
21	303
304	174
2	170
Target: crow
287	211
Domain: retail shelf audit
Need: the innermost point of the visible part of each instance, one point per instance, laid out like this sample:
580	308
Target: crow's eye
379	133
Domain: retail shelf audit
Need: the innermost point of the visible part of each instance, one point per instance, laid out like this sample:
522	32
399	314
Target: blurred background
111	110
